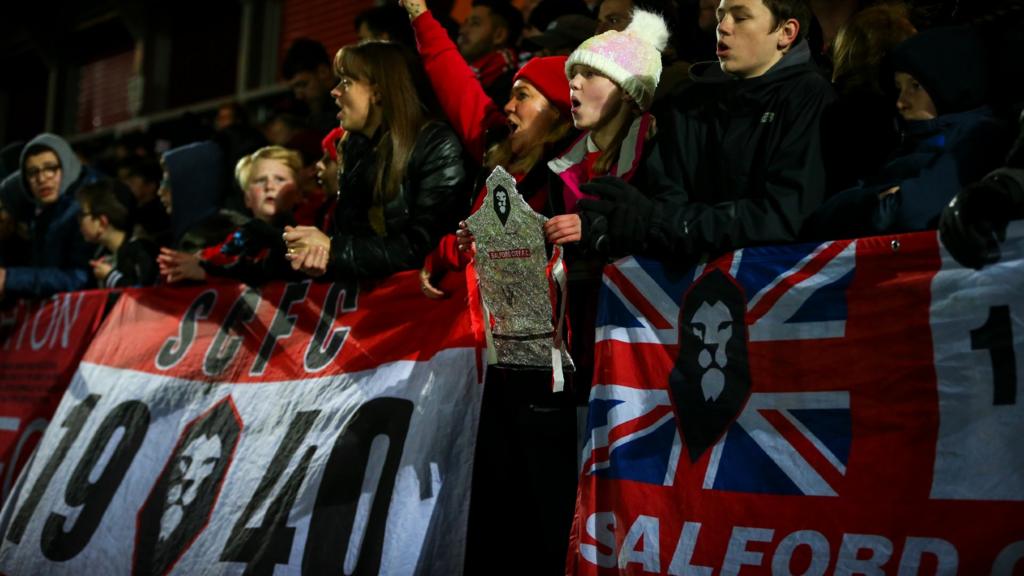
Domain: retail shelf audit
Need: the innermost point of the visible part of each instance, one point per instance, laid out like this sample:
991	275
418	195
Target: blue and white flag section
301	429
851	407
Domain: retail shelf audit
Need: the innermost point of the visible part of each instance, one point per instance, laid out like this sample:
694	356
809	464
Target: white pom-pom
649	26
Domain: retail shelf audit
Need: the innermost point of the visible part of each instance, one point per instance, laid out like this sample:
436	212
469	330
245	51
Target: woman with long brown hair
402	180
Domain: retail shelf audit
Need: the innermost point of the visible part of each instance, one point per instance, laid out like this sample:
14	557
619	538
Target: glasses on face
45	171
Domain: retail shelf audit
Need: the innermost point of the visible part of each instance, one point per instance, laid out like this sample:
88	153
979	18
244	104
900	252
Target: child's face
327	174
913	102
89	225
595	98
271	189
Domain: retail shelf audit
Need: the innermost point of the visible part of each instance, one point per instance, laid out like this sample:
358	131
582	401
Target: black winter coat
429	204
737	162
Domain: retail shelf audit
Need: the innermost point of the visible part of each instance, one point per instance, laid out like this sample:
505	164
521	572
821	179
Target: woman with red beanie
534	125
524	474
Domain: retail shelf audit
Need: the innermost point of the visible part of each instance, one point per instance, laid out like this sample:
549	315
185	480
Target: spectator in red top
487	39
534	126
521	418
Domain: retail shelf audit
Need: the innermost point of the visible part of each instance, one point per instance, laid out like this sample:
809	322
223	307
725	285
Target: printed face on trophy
501	204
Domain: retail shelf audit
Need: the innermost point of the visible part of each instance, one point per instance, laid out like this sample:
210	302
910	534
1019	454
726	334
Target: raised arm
469	109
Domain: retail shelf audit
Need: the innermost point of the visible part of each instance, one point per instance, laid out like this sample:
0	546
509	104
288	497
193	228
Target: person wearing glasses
51	174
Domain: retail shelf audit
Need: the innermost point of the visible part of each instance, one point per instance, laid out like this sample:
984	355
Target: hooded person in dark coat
737	160
50	175
193	182
950	139
195	177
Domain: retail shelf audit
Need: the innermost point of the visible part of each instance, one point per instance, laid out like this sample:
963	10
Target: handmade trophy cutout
516	280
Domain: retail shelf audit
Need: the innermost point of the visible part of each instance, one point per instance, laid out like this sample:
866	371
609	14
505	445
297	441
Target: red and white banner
302	428
852	407
41	344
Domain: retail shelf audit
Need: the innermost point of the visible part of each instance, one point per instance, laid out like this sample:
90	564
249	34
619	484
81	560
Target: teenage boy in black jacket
737	159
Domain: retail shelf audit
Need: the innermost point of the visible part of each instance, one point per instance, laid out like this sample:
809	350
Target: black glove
252	239
628	212
974	222
594	225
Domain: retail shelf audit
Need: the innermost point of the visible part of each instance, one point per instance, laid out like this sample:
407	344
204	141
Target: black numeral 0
334	514
271	543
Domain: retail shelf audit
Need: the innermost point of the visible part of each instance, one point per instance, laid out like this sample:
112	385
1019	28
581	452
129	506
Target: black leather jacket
429	204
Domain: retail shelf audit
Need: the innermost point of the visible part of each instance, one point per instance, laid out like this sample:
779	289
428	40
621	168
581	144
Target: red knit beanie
330	143
547	75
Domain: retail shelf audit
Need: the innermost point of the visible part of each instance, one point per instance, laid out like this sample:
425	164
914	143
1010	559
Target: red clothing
447	255
307	212
575	166
494	65
468	108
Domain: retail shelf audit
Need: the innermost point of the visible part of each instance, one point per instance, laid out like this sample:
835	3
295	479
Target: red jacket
468	108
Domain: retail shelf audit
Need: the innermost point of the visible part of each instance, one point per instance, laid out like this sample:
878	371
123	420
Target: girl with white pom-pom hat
612	79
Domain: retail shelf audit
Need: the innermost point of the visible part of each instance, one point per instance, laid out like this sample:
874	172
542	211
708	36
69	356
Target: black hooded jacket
737	162
938	156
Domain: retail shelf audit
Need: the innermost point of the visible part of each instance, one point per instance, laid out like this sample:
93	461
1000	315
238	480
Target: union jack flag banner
851	407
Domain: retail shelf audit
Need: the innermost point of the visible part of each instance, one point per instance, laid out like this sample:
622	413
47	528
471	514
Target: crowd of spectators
676	129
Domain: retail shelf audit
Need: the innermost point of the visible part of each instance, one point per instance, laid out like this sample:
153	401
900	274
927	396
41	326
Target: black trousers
524	476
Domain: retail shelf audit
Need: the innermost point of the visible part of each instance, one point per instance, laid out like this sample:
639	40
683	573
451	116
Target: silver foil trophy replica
517	280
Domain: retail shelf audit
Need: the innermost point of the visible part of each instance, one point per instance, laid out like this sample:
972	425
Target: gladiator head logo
710	382
501	203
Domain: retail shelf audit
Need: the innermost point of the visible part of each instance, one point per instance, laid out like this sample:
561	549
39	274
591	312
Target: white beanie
631	58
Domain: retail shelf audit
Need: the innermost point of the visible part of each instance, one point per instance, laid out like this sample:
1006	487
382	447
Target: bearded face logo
196	464
712	324
179	506
501	206
710	382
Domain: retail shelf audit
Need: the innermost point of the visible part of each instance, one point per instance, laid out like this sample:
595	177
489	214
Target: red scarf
492	65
